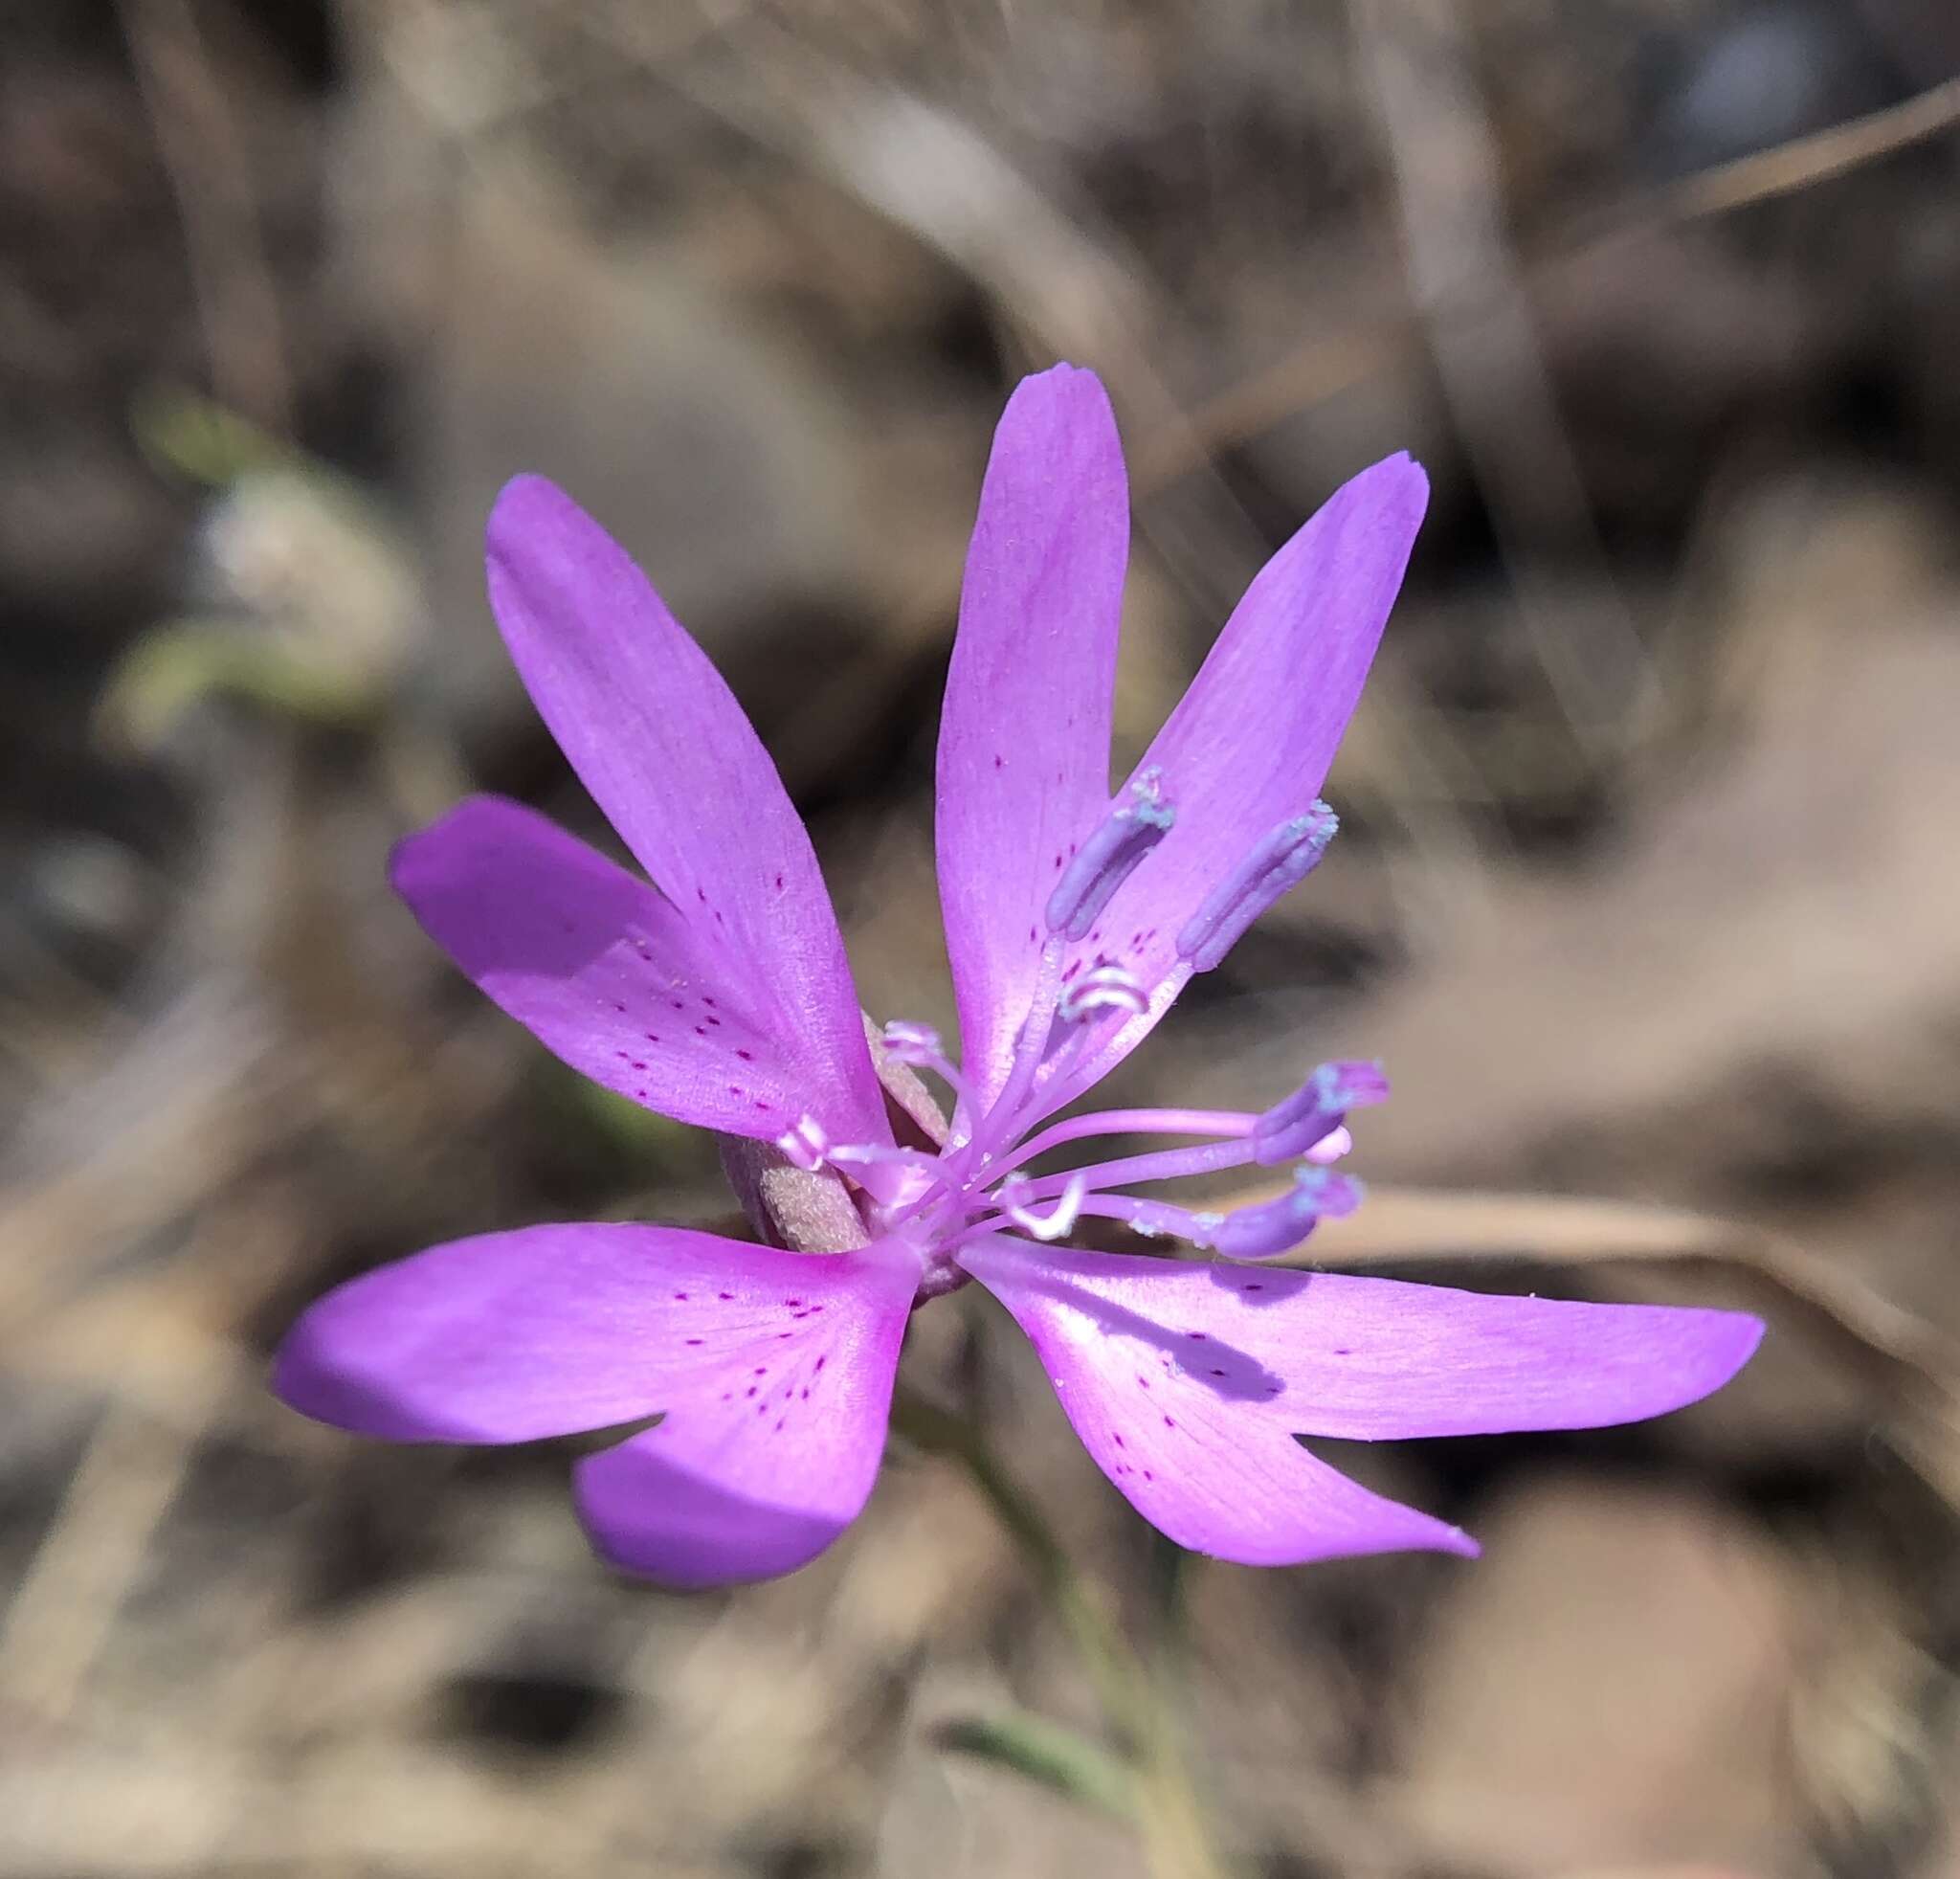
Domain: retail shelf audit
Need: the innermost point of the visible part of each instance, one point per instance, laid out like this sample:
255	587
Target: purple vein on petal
601	970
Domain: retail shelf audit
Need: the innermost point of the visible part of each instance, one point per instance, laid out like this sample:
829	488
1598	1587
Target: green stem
1169	1814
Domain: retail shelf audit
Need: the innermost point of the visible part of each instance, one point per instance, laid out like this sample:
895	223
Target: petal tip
1400	480
308	1375
1465	1546
684	1533
1744	1335
421	854
1062	388
524	493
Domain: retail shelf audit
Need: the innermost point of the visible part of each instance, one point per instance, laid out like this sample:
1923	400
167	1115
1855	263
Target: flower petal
557	1329
604	973
666	752
1249	745
1181	1426
1024	736
759	1472
1372	1359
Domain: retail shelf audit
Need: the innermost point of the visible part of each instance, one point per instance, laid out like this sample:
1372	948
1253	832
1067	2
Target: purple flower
721	996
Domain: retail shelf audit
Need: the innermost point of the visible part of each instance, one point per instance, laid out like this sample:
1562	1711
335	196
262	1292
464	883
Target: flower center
1080	1012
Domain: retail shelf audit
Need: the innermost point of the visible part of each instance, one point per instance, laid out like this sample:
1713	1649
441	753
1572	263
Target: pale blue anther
1315	1110
1269	1227
1282	860
1104	861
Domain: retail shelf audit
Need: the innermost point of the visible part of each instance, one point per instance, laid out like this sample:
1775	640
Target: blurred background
1646	892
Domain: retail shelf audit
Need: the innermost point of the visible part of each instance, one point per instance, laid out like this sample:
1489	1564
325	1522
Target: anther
805	1146
1104	861
1315	1110
1281	862
1277	1227
914	1044
1060	1219
1104	988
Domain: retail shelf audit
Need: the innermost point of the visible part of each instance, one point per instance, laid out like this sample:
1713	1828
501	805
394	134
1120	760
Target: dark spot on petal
1195	1337
1149	1476
821	1363
779	883
762	1369
701	895
999	761
680	1298
1343	1351
746	1056
697	1340
792	1300
735	1089
1217	1373
1120	1444
750	1391
1168	1423
806	1395
724	1295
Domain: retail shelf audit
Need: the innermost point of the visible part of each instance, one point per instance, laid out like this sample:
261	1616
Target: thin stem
1170	1817
1089	1625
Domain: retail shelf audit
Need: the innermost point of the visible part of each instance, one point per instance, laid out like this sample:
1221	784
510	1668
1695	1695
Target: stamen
1013	1197
914	1044
1163	1165
893	1176
1277	1227
854	1155
1104	988
1104	861
1315	1109
1234	1124
1282	860
918	1047
1154	1218
805	1146
1029	1048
